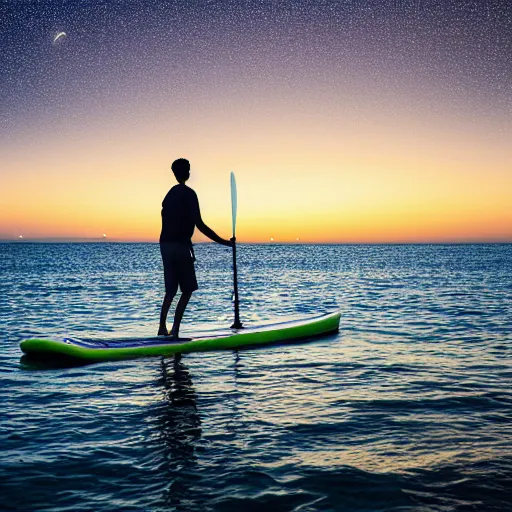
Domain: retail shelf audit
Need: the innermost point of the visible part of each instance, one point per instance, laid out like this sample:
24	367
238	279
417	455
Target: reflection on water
178	429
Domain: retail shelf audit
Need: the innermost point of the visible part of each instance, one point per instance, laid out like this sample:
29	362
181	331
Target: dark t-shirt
180	213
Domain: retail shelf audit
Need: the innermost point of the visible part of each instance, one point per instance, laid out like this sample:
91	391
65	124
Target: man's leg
166	304
178	314
171	285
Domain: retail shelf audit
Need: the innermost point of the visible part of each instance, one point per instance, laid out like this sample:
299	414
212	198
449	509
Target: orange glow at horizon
301	173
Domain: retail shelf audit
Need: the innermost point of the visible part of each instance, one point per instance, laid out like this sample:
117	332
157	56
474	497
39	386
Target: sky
348	121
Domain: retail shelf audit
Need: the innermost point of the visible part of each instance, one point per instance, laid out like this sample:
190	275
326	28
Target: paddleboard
94	350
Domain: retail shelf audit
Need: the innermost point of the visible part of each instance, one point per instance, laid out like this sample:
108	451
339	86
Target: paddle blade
233	201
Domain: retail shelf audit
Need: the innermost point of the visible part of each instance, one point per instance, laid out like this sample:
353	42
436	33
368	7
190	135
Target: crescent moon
58	36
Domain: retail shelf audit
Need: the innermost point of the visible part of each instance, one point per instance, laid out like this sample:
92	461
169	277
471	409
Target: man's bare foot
162	331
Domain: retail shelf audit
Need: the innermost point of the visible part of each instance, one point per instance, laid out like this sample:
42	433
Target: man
180	215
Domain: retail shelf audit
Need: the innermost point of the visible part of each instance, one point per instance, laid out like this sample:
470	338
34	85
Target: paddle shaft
236	324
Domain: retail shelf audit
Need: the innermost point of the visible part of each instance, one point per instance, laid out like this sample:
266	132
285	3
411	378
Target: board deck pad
94	350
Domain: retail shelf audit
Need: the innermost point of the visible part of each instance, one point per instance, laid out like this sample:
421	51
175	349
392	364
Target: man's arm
204	228
211	234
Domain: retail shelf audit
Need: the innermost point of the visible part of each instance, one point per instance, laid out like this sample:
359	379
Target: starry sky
344	121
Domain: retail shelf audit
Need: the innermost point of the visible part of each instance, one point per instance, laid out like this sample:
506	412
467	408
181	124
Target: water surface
407	408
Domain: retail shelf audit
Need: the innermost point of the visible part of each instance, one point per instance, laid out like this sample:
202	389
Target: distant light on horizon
271	238
21	236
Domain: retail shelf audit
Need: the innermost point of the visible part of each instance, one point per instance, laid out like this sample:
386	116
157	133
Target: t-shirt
180	213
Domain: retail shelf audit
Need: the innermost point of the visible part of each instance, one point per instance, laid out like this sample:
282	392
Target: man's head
181	169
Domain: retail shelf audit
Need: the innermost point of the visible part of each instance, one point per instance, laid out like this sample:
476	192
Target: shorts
178	268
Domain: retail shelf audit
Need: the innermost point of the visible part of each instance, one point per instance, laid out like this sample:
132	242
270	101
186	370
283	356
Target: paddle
236	323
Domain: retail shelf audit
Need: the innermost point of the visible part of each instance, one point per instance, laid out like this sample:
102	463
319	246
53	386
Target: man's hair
180	168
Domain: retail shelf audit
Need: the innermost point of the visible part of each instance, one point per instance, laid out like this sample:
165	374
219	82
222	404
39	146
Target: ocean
408	408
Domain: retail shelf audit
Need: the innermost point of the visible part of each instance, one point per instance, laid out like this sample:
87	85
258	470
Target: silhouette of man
180	215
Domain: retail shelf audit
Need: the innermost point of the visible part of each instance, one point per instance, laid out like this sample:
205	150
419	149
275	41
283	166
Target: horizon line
70	240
